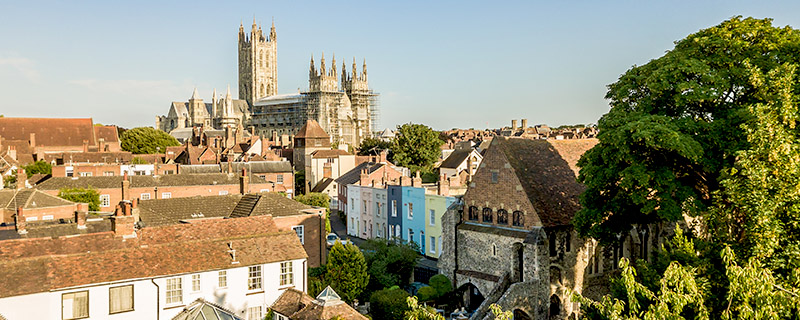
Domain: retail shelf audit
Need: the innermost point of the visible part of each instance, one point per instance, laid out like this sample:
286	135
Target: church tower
362	99
258	64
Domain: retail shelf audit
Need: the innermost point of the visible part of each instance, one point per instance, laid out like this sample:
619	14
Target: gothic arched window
473	213
487	215
517	219
502	216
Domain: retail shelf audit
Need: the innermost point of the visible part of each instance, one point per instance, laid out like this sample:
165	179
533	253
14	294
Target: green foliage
499	314
675	126
10	181
346	271
373	146
316	199
81	195
299	182
38	167
391	263
441	284
145	140
416	145
388	304
420	312
138	160
426	293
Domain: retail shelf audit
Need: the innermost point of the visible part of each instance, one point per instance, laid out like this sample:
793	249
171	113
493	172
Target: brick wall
314	235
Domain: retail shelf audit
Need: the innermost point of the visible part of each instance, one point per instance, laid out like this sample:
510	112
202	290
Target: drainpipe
158	299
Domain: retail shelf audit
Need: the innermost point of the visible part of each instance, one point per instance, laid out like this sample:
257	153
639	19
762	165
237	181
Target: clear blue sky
442	63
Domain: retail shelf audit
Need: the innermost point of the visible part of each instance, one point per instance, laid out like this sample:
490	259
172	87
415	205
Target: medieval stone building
347	110
510	241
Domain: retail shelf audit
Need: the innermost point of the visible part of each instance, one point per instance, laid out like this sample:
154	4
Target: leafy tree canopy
391	263
81	195
316	199
138	160
373	146
441	283
145	140
388	304
38	167
419	311
675	127
416	145
346	271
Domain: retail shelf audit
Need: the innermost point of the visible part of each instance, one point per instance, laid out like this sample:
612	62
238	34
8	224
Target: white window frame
255	276
196	284
112	296
279	179
105	200
287	274
85	174
300	230
394	208
47	217
223	192
28	219
433	244
222	279
174	291
71	314
144	196
410	211
433	217
255	313
166	195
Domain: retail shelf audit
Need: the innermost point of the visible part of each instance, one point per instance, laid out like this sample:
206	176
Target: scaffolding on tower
374	112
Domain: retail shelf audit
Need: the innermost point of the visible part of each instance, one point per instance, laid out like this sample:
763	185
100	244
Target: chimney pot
21	224
80	217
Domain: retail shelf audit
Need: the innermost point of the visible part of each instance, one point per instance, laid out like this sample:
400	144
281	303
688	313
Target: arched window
517	219
502	216
487	215
473	213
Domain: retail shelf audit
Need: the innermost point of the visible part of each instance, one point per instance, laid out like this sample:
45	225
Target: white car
332	238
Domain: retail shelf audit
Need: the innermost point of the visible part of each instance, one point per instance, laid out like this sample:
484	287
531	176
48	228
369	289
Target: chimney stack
364	181
405	181
126	187
244	182
85	145
32	141
384	154
101	145
469	167
20	222
21	178
444	186
123	224
80	216
514	125
12	152
524	124
416	182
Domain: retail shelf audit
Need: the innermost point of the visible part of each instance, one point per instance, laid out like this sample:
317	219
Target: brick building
32	138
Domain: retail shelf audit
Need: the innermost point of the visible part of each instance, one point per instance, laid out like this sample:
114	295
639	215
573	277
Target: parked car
332	238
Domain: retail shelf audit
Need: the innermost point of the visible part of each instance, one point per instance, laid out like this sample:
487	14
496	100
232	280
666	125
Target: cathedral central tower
258	64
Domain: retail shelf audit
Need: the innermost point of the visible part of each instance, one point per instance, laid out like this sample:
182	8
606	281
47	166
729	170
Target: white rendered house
242	265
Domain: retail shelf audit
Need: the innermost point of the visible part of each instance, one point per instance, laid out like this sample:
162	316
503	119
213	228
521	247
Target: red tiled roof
311	129
49	131
329	153
108	133
37	265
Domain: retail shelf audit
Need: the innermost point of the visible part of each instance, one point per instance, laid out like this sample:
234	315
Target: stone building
510	241
347	110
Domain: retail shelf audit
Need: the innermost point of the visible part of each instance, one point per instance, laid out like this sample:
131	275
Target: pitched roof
30	199
354	175
456	158
38	265
199	168
262	166
49	131
159	212
201	309
299	306
94	157
322	185
311	129
334	153
107	133
548	172
168	180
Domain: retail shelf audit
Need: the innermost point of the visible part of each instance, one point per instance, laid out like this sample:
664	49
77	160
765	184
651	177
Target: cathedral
340	101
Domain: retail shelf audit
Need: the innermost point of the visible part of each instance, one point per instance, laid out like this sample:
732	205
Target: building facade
347	110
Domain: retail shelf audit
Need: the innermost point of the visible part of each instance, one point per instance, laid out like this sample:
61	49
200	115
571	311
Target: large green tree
146	140
675	127
391	263
38	167
416	146
346	271
81	195
373	146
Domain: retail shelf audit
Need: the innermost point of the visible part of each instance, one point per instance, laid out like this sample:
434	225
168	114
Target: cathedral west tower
258	64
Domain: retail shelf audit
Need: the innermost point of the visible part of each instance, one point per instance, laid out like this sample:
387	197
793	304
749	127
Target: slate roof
30	199
56	229
455	158
311	129
548	172
173	180
201	309
157	212
322	185
262	166
199	168
49	131
39	265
